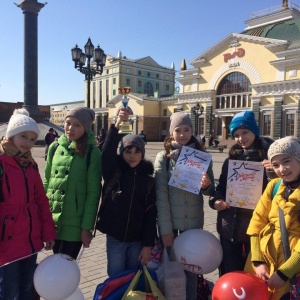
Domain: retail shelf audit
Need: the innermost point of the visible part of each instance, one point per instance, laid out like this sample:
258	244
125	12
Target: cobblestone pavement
93	261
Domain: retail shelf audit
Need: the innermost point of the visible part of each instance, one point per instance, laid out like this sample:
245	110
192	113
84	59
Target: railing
273	9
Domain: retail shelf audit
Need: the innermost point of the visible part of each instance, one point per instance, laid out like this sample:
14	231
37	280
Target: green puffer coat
73	191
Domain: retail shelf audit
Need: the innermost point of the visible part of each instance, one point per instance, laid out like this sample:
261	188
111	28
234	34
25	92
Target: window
107	90
165	112
127	81
267	125
139	83
157	75
128	70
167	87
167	77
114	92
290	124
148	74
148	89
114	80
139	72
100	93
157	86
94	94
107	71
235	82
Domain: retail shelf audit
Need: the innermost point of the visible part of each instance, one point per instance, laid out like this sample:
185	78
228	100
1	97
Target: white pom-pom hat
19	122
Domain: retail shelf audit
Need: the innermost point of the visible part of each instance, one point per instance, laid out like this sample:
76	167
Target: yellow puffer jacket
265	224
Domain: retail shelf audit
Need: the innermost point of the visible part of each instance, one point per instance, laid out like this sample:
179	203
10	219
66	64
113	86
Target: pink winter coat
25	218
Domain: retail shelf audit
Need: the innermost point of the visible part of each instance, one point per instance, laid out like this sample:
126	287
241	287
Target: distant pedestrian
143	136
73	182
50	137
26	223
101	138
203	141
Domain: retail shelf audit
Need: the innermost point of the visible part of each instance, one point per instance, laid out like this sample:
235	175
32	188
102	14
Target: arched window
234	91
148	89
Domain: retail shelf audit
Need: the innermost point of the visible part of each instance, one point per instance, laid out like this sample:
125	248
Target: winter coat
176	208
265	224
128	213
232	223
25	217
72	189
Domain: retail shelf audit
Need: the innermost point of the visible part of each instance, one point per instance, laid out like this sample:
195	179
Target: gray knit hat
19	122
85	115
132	140
179	118
288	145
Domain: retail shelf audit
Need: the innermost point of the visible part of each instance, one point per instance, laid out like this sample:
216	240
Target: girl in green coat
73	182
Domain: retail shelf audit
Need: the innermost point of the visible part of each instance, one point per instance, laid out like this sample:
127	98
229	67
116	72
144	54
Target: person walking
49	139
73	182
179	210
26	224
127	213
232	222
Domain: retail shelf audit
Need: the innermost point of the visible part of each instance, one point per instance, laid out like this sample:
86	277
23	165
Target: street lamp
197	110
83	63
210	119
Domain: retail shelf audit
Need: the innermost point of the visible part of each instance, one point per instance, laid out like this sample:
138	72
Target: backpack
88	157
275	189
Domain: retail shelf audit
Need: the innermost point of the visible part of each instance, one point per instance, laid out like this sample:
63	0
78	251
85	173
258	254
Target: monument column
30	9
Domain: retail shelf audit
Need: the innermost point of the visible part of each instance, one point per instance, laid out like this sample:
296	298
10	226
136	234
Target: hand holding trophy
125	127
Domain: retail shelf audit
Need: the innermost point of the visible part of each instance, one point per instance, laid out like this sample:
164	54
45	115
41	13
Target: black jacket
128	211
232	223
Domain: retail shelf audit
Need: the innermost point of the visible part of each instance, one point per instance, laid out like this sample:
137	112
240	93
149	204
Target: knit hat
179	118
20	122
85	115
132	140
288	145
244	120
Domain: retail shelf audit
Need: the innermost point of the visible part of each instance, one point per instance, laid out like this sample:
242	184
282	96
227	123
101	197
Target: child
73	182
128	212
266	242
26	224
232	222
178	210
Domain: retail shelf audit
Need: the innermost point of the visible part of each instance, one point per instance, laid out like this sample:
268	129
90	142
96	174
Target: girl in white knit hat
268	259
26	224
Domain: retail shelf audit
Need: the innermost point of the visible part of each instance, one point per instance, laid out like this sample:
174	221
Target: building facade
257	69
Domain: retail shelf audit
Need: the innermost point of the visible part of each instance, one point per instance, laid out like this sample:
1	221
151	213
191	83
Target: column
277	117
30	10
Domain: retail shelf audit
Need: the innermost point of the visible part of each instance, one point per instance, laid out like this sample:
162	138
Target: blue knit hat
244	120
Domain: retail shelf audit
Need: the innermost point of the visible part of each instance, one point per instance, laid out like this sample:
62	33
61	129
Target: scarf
174	154
8	148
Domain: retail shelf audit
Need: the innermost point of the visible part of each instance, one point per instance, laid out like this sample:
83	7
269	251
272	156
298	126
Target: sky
166	30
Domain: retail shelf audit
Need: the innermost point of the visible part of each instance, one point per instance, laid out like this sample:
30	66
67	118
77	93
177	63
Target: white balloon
77	295
56	277
198	251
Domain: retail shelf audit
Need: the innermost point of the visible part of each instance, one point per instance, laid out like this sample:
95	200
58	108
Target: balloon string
23	257
80	255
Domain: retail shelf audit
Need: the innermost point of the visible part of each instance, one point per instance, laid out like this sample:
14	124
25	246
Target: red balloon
240	285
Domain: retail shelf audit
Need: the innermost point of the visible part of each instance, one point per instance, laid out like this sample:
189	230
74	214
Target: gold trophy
125	126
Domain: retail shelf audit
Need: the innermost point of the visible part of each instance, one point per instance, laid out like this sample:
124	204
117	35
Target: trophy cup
125	126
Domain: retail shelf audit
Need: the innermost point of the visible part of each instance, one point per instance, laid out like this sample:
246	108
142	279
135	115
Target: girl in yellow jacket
267	258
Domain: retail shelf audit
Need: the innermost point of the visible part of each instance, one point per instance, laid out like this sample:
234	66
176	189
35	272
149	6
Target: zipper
28	210
4	228
127	225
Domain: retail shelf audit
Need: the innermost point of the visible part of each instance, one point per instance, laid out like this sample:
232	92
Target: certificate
244	183
189	169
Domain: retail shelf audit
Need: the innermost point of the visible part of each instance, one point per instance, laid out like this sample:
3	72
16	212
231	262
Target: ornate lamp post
83	63
197	110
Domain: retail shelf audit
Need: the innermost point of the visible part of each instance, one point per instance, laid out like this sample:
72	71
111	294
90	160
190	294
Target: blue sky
166	30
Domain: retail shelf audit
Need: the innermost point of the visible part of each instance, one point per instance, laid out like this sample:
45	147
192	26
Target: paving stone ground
93	261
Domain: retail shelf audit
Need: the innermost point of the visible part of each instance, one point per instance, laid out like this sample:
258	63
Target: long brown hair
81	144
168	143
